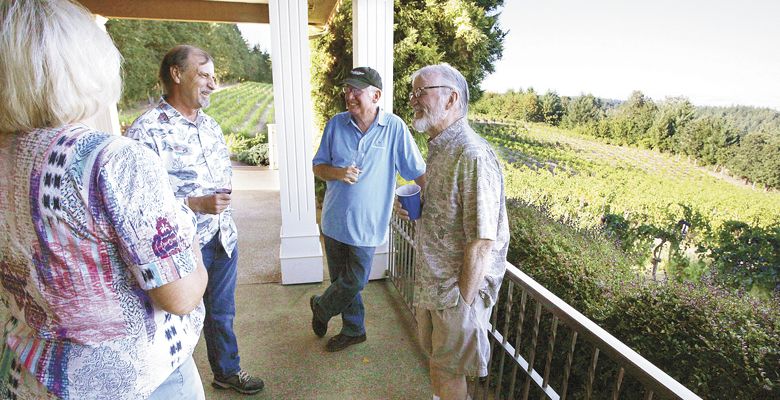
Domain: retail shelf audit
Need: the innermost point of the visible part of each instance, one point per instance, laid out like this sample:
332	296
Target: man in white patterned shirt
462	236
192	148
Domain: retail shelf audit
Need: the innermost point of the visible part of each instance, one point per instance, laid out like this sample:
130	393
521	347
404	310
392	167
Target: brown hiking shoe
241	382
341	342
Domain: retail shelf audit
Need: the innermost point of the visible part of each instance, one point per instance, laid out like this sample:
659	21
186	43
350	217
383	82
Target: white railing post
273	157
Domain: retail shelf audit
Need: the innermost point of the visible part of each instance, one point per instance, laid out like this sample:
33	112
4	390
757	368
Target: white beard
428	120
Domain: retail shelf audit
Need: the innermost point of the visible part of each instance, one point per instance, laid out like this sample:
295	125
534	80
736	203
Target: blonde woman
97	265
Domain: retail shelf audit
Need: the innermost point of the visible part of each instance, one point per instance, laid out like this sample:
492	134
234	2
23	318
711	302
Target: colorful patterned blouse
463	201
88	224
197	160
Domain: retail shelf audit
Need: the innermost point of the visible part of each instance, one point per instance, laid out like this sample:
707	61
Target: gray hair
57	66
451	77
374	89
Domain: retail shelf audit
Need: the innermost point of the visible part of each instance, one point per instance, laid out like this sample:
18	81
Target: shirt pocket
379	144
448	292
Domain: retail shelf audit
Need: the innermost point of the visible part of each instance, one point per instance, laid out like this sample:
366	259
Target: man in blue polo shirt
360	152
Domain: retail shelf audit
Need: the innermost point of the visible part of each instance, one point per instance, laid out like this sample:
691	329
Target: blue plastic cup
409	197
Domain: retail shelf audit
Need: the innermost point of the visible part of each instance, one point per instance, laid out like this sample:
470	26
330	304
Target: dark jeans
349	267
220	303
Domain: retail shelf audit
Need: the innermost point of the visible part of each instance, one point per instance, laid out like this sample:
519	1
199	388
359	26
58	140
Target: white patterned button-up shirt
463	201
197	160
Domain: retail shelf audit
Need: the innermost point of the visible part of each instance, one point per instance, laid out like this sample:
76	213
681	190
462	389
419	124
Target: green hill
641	198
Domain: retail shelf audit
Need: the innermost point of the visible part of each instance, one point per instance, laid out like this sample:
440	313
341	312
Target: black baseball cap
363	77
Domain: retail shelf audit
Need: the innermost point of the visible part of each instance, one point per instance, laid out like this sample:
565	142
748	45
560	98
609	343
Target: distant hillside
744	141
746	119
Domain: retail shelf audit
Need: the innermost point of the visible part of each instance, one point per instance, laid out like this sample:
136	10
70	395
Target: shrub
238	143
562	257
748	257
720	344
255	155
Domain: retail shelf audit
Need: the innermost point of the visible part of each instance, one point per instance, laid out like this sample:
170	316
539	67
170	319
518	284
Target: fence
542	347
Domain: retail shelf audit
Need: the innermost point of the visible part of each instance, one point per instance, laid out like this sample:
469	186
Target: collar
449	133
172	113
381	118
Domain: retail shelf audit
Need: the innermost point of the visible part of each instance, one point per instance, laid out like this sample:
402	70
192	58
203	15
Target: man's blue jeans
349	267
220	303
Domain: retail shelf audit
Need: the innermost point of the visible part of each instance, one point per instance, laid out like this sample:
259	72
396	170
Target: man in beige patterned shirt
462	235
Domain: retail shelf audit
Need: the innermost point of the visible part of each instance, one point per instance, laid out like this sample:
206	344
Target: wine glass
226	187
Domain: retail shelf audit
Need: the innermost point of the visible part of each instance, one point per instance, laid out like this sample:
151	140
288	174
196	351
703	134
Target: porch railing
527	324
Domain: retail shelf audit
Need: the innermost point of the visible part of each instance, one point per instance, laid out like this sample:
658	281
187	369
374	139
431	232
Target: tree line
143	44
743	141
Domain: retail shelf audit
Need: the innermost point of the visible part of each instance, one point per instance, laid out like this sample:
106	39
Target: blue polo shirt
359	214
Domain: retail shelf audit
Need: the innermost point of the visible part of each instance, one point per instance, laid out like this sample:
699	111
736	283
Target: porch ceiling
252	11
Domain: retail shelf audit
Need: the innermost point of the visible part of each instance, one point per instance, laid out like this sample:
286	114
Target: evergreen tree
552	108
757	159
531	107
673	115
583	110
706	139
631	121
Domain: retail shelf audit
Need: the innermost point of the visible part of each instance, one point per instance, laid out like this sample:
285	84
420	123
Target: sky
257	34
714	52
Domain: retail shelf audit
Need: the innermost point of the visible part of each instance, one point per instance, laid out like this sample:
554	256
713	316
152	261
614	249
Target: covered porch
273	320
542	347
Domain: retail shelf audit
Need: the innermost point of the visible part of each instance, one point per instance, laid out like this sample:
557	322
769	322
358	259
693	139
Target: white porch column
300	252
372	46
372	42
107	119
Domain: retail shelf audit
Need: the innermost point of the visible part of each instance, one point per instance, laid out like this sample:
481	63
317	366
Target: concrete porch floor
273	325
276	342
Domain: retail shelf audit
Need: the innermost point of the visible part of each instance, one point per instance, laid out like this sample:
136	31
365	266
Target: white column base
301	258
297	270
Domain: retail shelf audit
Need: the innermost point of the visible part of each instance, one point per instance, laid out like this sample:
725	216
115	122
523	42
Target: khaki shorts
455	339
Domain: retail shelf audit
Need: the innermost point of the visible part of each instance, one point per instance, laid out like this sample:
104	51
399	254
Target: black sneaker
320	328
341	342
240	382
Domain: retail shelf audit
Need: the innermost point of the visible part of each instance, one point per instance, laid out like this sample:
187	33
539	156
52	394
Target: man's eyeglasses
416	93
355	91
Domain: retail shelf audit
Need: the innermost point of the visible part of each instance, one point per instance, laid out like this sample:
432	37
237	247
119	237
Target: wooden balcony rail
541	346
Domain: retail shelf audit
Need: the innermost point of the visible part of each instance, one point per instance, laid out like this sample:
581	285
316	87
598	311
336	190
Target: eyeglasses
355	91
416	93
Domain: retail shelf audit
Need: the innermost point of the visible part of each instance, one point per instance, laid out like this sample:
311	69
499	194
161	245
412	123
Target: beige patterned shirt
463	201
